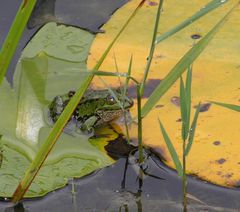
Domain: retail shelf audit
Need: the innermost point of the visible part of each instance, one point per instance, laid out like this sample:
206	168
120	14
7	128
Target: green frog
96	108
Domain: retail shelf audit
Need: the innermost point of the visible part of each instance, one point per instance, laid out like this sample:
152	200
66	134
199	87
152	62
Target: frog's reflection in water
141	171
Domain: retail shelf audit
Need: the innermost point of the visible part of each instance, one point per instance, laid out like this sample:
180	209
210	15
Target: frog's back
91	94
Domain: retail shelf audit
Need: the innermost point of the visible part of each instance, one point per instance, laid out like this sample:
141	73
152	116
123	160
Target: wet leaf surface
215	78
43	72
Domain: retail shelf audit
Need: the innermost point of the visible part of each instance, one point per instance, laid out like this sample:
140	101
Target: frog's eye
111	100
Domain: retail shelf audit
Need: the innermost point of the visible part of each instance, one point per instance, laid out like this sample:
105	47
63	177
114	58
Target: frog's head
112	106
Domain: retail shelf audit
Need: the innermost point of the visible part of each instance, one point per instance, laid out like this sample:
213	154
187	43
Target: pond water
115	188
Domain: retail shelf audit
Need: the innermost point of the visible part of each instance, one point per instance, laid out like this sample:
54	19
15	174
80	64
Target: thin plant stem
125	89
184	178
140	88
140	145
126	126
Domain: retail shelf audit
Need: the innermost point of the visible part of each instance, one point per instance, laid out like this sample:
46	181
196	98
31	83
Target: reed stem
140	145
184	178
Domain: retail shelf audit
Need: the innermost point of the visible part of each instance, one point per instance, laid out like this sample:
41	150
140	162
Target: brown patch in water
159	106
217	143
152	3
176	100
195	36
204	107
221	161
229	175
119	148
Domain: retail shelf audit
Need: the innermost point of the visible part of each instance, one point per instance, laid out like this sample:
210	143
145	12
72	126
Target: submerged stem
126	126
184	178
140	146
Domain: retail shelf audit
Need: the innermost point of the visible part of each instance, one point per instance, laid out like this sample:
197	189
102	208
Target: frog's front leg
88	124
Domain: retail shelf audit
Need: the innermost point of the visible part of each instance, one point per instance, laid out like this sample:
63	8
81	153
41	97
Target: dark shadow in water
149	88
87	14
16	208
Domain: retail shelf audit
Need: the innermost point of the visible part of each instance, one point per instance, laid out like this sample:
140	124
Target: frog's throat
107	116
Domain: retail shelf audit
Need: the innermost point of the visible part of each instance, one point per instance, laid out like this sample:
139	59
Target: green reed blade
185	100
107	74
12	40
62	121
124	93
129	72
203	11
117	69
192	130
152	48
229	106
171	150
183	108
182	65
188	94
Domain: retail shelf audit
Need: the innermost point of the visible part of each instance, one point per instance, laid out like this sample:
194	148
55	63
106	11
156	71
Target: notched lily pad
48	67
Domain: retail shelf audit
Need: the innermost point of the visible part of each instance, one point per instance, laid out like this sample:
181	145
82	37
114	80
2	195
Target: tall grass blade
107	74
172	151
123	96
152	48
182	65
62	121
184	112
12	40
188	94
203	11
129	73
185	100
229	106
192	130
117	69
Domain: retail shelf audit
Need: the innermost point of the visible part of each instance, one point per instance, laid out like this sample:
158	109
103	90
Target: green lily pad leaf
71	157
66	43
44	71
8	103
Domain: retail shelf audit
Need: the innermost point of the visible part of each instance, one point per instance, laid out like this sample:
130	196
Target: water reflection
43	12
141	171
16	208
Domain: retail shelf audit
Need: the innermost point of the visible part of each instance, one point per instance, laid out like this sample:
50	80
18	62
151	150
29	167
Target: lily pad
44	71
216	77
